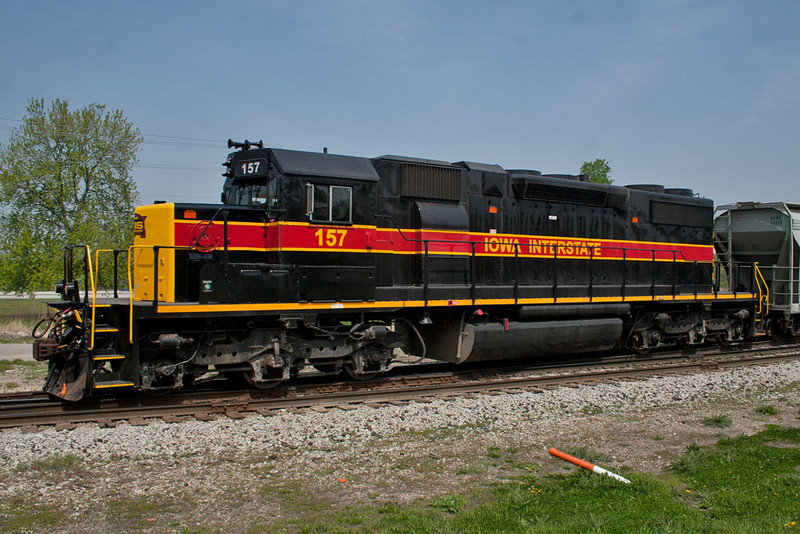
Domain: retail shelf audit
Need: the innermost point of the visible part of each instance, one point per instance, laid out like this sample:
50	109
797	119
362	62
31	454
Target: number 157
331	237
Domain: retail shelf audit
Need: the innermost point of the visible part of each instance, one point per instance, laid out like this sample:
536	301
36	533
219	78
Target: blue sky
700	94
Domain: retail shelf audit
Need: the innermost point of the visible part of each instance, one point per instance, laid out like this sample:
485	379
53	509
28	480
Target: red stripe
277	236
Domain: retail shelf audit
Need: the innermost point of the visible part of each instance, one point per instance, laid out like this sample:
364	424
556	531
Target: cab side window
330	203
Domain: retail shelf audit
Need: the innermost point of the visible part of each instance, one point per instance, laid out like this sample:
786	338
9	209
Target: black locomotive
338	262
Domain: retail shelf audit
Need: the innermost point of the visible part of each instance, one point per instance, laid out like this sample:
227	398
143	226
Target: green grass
24	514
25	309
449	503
742	485
20	315
31	370
7	365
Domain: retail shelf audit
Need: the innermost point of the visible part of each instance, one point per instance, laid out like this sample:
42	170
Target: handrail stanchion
87	277
624	272
225	259
472	271
555	273
116	276
716	274
130	290
674	275
653	275
591	273
425	274
516	273
155	278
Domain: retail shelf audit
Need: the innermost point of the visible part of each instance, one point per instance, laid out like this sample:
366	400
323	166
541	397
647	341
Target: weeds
65	462
471	471
767	409
591	409
450	504
718	421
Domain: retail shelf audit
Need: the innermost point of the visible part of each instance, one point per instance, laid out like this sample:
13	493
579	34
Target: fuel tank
459	341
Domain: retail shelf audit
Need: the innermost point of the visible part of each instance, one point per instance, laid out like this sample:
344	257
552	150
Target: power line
166	166
189	145
186	138
161	195
179	141
216	142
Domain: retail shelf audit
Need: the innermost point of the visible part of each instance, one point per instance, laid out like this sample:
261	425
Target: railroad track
31	411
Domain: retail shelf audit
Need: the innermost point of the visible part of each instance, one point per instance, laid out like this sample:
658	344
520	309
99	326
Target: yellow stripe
107	358
524	256
106	386
319	306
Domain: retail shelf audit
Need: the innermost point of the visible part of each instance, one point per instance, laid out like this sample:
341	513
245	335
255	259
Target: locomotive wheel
724	340
350	370
636	345
247	378
776	329
329	369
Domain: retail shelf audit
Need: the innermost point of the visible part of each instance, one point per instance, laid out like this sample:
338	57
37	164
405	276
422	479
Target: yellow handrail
95	284
760	276
94	291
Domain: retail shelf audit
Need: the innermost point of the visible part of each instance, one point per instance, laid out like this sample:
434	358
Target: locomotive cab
250	179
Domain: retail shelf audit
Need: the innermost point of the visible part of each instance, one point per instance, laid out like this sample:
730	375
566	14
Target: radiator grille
681	214
430	182
567	195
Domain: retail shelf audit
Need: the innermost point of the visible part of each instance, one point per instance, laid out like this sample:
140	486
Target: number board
251	167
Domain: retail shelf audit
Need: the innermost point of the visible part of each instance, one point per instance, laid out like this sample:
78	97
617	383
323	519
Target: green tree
65	178
598	171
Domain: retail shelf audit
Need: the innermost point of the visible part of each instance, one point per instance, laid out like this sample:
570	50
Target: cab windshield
252	194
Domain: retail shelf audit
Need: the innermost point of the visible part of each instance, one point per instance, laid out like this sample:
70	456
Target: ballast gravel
321	431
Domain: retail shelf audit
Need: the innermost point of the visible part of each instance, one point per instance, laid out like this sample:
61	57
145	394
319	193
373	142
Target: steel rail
38	410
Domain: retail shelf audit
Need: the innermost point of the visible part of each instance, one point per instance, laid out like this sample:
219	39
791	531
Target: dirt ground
409	469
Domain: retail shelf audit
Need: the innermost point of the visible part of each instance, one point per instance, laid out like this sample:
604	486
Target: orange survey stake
586	465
